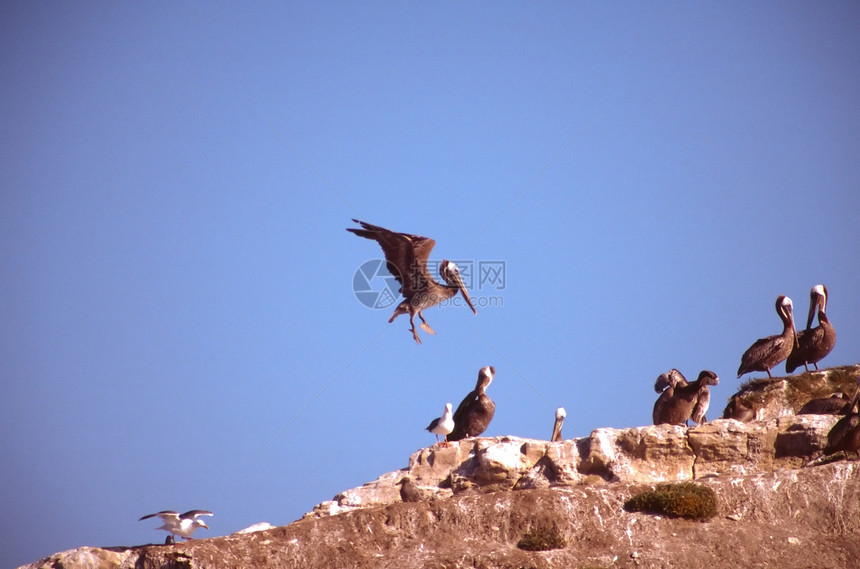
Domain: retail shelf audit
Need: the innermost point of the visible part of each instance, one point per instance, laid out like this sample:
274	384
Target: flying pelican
476	410
406	259
689	401
182	525
560	414
665	386
767	352
442	425
813	343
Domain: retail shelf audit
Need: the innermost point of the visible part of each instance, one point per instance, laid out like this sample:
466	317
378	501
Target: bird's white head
560	413
447	408
486	375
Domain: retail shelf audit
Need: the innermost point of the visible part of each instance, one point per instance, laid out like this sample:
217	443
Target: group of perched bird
406	258
473	414
806	347
680	401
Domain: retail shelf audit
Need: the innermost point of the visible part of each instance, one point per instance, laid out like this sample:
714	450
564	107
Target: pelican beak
812	307
793	330
451	274
465	294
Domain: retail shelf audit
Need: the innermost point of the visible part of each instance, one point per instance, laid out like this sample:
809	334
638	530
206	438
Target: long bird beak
812	307
466	296
793	330
454	273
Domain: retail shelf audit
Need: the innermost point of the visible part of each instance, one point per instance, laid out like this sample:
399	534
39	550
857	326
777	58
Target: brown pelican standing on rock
665	386
182	525
813	343
767	352
406	258
560	414
475	412
687	401
442	425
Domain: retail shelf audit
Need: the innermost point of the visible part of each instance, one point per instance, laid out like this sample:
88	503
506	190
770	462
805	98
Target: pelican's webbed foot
424	326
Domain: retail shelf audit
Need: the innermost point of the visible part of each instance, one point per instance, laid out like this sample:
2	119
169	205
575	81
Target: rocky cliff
470	504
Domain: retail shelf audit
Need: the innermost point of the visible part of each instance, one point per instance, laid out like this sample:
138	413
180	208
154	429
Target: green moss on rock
684	500
541	538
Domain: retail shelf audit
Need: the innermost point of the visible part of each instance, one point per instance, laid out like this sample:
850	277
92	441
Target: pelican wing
464	406
406	255
762	350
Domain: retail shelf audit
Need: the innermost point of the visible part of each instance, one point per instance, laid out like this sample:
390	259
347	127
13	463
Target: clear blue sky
179	325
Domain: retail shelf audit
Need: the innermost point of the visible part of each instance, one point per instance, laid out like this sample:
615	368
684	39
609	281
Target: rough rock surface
781	396
480	496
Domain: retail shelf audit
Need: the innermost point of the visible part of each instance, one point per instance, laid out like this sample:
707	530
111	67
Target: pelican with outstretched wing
406	259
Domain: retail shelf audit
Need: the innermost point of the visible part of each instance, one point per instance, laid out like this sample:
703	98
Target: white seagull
442	425
182	525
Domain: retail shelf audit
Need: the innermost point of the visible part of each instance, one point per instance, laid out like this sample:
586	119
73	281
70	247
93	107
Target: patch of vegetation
684	500
541	538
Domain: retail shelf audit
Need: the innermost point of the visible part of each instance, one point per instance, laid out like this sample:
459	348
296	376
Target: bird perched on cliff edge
182	525
689	401
665	386
767	352
560	414
813	343
476	410
442	425
740	409
845	434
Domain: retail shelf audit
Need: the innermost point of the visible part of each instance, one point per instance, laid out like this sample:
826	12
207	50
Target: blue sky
180	329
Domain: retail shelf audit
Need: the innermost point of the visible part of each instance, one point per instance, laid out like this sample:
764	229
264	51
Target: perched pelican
845	434
836	404
560	414
685	401
475	412
406	258
739	409
665	386
182	525
813	343
767	352
442	425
